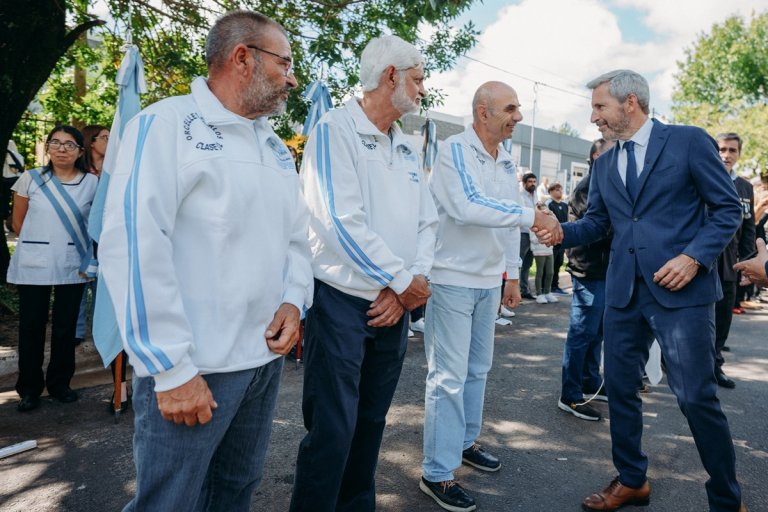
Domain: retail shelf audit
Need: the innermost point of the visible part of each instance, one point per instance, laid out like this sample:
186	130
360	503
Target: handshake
546	227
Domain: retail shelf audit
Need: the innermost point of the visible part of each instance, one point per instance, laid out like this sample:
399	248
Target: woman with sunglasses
50	211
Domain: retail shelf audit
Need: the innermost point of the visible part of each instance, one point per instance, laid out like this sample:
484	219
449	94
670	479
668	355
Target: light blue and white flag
131	82
318	94
429	149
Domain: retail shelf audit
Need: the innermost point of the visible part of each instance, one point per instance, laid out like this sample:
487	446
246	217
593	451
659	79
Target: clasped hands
546	227
389	307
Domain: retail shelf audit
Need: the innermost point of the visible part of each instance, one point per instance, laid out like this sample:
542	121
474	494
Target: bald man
474	185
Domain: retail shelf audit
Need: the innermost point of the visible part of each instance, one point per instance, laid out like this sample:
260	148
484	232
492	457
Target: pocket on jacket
33	254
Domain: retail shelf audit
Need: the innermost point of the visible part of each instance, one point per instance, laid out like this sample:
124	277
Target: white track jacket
478	202
373	220
205	235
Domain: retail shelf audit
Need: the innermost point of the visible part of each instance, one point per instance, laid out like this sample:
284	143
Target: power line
543	84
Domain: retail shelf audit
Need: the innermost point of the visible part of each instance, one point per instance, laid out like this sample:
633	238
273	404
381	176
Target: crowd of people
215	251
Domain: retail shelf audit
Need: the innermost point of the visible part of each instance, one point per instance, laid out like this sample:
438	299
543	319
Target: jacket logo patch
282	155
203	135
368	145
477	155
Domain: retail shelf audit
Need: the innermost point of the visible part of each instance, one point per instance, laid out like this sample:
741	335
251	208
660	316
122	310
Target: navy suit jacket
686	203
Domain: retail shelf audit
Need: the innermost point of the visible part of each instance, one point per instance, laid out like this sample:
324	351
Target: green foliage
722	85
566	129
326	37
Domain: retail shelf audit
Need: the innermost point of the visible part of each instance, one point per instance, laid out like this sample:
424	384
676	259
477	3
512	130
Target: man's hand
416	294
283	331
676	273
386	310
511	298
546	227
191	403
754	269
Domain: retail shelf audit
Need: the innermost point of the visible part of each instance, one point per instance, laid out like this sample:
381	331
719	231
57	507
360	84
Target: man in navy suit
673	210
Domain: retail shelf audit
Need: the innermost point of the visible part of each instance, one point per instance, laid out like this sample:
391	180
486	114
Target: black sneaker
28	403
65	395
596	395
583	411
479	458
527	295
448	494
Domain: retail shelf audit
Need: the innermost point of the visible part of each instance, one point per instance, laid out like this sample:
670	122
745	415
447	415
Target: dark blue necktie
631	179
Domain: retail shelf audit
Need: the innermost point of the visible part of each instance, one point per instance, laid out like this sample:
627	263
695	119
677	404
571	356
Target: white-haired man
475	188
372	233
201	187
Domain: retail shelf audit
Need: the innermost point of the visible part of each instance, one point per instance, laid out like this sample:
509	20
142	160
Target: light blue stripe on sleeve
345	239
139	341
469	187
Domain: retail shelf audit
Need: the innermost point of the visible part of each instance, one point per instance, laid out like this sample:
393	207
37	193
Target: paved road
551	460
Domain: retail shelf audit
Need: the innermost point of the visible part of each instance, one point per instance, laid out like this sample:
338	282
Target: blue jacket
686	203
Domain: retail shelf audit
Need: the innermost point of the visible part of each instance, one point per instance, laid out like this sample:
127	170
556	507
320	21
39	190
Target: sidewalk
551	460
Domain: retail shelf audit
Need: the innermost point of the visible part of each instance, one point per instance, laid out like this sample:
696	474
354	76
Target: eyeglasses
287	60
68	146
105	138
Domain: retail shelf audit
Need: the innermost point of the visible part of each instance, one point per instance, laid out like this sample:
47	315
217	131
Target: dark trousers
5	253
723	318
527	256
559	253
350	375
34	302
687	339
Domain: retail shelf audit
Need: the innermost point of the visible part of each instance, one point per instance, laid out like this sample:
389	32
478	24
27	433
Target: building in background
556	156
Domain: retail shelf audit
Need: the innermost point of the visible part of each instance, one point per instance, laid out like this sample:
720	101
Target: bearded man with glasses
204	251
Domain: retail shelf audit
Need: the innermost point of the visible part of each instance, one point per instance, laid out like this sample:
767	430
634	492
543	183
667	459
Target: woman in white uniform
50	211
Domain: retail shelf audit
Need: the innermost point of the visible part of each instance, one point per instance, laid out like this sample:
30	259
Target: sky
562	44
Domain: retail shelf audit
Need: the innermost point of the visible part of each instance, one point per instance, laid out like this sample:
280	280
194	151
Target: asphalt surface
550	459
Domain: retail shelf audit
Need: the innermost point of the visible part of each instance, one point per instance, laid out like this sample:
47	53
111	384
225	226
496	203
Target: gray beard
260	96
402	102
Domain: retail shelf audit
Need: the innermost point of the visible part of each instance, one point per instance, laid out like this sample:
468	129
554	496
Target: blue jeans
581	354
216	466
81	323
458	339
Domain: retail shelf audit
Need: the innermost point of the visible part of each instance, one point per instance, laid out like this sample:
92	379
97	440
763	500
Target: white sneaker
506	313
551	298
541	299
418	325
410	333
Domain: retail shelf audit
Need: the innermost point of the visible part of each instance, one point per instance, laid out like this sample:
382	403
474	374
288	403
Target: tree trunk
34	36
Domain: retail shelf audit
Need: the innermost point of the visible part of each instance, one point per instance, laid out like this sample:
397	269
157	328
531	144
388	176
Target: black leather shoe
27	403
479	458
724	381
65	395
449	495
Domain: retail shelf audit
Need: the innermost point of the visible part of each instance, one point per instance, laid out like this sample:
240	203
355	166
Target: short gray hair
622	83
233	28
383	52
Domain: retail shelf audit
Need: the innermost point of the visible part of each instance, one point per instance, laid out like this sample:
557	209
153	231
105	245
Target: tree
566	129
326	36
722	85
33	39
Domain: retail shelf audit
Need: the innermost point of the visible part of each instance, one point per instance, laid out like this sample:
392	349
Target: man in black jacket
560	209
741	247
587	265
